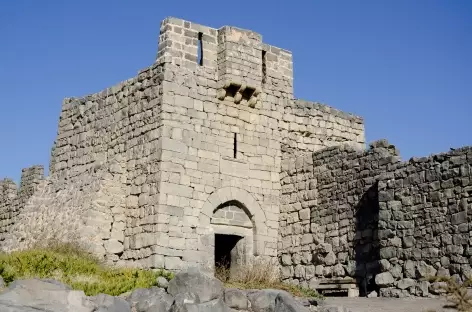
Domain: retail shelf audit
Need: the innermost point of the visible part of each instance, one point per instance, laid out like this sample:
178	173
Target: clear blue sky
404	65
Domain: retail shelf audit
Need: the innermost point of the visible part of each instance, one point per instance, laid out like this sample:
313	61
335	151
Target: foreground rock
193	281
189	291
42	295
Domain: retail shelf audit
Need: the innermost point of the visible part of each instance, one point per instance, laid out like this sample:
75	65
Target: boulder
182	300
45	284
236	299
185	304
150	299
195	281
263	300
33	295
286	303
107	303
37	295
216	305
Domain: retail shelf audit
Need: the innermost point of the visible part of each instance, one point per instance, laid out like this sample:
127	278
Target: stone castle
206	155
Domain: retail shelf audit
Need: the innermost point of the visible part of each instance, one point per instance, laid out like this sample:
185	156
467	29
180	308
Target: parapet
30	178
12	199
8	190
237	58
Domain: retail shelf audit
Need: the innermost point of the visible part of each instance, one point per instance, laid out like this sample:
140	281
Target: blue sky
405	66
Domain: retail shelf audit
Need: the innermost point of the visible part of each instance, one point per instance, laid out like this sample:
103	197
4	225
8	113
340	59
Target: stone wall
425	225
331	214
105	159
30	178
310	126
353	213
296	239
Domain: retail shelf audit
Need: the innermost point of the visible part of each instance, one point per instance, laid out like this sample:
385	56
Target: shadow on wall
366	241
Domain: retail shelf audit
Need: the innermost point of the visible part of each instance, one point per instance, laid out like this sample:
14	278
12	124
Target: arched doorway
234	236
231	224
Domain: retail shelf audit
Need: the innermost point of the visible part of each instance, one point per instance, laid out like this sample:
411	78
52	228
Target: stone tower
181	164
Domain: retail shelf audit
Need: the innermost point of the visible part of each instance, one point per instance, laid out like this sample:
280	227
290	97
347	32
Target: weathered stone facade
208	142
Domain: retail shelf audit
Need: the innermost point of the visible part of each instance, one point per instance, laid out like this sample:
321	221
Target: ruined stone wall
13	200
425	226
8	195
78	212
105	155
330	217
349	212
308	127
30	178
296	239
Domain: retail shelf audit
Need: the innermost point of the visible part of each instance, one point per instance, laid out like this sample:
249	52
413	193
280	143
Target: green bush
76	268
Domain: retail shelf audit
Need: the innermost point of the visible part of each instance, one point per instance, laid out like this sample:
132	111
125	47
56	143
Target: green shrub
77	268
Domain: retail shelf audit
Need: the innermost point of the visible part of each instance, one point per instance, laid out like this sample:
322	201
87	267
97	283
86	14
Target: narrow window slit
200	49
264	67
235	145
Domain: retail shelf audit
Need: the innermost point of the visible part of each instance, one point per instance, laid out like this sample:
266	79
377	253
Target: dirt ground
386	305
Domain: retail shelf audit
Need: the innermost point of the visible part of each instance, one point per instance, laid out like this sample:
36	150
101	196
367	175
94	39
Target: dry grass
70	248
456	293
260	274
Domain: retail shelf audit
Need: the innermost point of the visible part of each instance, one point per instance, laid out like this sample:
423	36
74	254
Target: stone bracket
239	92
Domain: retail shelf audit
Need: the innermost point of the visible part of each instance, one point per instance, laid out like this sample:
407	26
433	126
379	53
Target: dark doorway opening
366	242
226	251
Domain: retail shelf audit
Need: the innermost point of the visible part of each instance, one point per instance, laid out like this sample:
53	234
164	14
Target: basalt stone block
406	283
384	279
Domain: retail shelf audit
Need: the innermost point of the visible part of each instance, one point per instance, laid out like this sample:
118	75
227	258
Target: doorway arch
253	229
